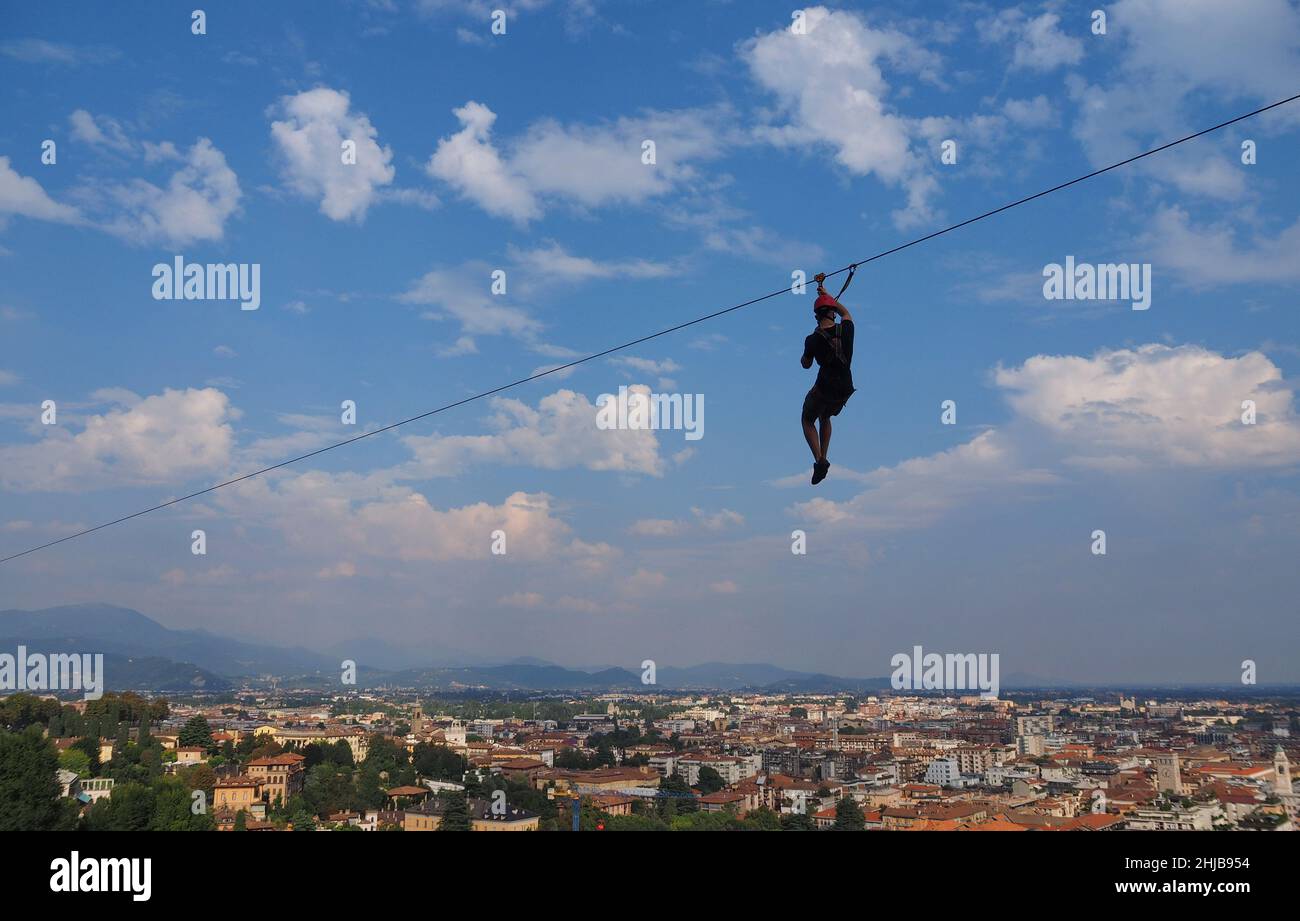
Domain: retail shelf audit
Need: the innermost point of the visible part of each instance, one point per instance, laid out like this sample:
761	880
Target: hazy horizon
484	161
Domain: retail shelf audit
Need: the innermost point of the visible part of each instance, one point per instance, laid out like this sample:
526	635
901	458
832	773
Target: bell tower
1281	773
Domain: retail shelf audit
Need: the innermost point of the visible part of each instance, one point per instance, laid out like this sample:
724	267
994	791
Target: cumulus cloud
832	88
23	196
338	514
634	365
1154	407
1214	254
559	433
701	520
468	161
194	205
159	439
584	165
540	271
1173	57
1157	405
100	132
474	307
309	138
1037	41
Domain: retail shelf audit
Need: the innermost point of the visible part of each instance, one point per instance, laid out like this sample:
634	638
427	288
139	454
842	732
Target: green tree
173	808
763	819
455	816
74	759
18	711
797	821
438	762
710	781
29	782
90	747
634	823
682	796
848	815
130	808
196	733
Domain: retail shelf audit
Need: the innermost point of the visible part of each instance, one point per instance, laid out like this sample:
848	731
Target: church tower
1281	773
1168	776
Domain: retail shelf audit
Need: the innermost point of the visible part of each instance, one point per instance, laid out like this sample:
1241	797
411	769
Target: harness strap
835	343
848	281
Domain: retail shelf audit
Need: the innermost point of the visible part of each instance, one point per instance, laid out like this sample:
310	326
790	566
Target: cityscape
284	759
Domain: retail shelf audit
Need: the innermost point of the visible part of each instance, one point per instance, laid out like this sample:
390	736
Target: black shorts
820	405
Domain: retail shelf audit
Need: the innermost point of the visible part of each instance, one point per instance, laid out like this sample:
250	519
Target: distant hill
145	654
109	629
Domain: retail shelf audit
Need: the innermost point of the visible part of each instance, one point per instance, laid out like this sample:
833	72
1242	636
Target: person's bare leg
826	437
810	435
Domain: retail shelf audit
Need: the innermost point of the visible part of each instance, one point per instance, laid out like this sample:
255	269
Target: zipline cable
663	332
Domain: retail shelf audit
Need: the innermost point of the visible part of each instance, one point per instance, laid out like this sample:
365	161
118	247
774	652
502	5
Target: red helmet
824	302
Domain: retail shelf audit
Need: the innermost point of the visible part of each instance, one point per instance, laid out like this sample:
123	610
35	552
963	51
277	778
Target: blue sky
775	152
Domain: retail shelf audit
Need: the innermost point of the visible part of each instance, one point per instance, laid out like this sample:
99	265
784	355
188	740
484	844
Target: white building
944	772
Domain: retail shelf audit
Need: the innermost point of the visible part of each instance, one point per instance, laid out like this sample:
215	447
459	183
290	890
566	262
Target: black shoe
820	469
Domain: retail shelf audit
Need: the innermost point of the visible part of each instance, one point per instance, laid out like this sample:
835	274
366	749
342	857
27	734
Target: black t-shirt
833	376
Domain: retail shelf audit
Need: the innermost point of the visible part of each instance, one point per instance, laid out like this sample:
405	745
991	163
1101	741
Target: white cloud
344	515
159	439
591	165
1154	407
559	433
474	307
1175	57
468	162
917	492
701	520
1031	113
101	132
649	366
1157	405
194	205
1038	42
831	86
344	569
465	345
40	51
1202	256
454	295
657	527
24	196
309	139
553	261
718	521
521	600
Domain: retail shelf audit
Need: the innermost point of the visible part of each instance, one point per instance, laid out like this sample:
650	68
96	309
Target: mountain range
141	653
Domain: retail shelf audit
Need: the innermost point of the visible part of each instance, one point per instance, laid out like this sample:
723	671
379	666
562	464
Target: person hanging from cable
831	344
